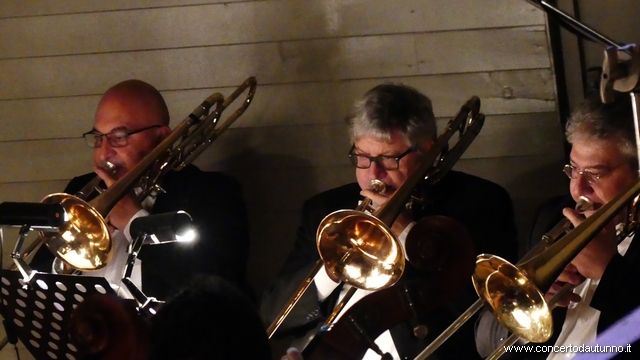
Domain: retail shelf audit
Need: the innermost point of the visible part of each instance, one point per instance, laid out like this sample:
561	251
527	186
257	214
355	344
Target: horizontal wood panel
465	51
522	176
288	147
31	191
327	145
190	26
283	62
44	160
286	189
527	91
16	8
517	135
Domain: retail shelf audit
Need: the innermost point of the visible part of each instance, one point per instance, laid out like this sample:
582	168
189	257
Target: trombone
345	239
360	249
513	293
84	242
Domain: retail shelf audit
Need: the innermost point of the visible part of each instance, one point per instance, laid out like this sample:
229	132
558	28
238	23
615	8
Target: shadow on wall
541	184
275	185
274	198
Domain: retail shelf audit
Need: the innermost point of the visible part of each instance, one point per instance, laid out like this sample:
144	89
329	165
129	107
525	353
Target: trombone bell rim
513	298
83	241
360	250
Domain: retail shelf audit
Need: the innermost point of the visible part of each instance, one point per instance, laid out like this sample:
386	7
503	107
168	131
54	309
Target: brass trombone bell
83	241
514	299
352	259
360	250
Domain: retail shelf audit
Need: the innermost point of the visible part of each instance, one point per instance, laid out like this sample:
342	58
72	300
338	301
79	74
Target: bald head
139	96
137	110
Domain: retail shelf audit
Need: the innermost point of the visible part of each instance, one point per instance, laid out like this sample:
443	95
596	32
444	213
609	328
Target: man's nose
376	171
580	186
105	150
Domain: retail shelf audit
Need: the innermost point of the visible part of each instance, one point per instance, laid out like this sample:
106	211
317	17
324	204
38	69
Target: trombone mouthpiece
377	186
584	204
109	167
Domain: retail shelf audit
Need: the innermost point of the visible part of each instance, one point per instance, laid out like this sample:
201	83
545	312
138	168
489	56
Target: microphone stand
620	68
146	305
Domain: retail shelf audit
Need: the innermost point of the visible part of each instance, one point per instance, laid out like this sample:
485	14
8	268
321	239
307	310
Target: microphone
37	215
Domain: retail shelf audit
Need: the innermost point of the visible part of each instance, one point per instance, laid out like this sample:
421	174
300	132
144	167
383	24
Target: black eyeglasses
386	162
116	138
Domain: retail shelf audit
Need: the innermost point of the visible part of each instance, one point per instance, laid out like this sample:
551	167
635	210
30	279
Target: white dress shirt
581	322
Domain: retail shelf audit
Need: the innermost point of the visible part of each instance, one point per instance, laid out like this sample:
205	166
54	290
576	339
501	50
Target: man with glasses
392	128
130	121
603	162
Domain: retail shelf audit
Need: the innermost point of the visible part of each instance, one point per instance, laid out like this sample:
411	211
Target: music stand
37	306
40	313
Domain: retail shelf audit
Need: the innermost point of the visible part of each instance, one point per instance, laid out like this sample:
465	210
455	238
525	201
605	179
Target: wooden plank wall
312	59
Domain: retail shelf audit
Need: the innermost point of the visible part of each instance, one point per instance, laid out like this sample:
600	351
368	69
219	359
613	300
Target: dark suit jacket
618	292
483	207
215	203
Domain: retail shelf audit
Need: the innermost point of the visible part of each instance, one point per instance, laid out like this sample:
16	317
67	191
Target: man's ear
425	147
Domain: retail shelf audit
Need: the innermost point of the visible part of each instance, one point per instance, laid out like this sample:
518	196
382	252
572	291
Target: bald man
130	121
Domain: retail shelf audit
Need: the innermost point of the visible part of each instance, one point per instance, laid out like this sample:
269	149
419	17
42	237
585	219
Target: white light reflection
393	254
187	236
539	313
154	238
378	281
352	271
522	318
67	235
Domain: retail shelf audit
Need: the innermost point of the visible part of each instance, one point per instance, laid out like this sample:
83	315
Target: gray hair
389	107
614	122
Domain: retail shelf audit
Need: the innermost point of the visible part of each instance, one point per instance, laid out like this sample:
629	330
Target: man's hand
292	354
594	258
124	210
402	221
569	275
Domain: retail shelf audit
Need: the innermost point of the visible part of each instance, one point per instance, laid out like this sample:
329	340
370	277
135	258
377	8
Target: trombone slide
282	315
